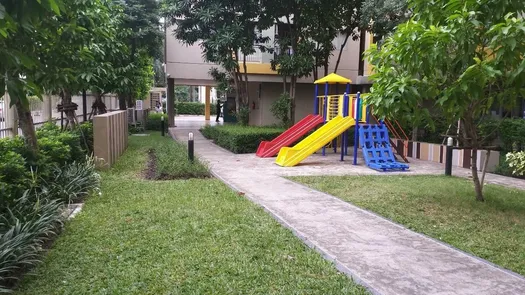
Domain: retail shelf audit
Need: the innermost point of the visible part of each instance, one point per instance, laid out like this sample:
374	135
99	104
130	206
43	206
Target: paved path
385	257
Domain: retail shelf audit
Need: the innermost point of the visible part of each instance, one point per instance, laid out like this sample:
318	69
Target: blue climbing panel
377	150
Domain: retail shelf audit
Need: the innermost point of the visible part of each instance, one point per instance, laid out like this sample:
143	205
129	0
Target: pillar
207	103
170	104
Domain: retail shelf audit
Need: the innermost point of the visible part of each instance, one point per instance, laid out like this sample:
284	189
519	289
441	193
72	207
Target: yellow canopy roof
333	79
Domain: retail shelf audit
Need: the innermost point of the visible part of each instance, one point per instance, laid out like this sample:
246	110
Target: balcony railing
252	58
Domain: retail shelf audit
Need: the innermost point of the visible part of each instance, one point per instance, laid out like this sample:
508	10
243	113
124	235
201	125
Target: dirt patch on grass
151	166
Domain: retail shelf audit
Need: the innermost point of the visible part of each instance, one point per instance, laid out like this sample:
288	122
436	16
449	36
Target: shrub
85	133
26	227
512	135
74	182
50	137
14	178
171	159
154	121
243	117
281	109
516	161
193	108
240	139
53	152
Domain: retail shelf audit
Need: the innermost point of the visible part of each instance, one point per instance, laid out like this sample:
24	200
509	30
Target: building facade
185	66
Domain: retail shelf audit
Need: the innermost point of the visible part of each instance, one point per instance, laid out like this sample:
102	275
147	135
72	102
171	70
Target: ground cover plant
240	139
168	159
192	236
443	208
35	190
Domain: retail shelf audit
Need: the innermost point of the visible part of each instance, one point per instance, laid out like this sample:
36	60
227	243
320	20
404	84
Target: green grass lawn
191	236
443	208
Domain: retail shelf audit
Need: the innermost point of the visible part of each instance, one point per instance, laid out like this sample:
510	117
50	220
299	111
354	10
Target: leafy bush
33	189
512	135
14	178
281	109
154	122
240	139
52	141
243	117
193	108
26	227
517	162
85	133
74	182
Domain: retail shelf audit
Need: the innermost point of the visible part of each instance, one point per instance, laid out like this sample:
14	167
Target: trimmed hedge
193	108
512	135
240	139
154	122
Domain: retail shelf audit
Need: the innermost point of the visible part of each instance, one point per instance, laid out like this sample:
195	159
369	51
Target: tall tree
227	32
22	22
349	13
382	16
142	19
465	56
71	52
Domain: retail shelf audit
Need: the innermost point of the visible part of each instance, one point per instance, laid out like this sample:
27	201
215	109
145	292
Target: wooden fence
110	137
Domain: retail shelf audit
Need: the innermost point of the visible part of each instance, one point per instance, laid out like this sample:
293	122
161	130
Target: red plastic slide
271	148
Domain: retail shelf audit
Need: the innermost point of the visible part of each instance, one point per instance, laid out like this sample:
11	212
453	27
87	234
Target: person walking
219	106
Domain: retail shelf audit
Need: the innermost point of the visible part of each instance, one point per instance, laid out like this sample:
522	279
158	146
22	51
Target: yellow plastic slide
289	157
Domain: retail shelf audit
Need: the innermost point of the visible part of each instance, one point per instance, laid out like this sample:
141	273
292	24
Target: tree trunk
247	92
237	91
27	126
285	89
293	82
122	101
67	103
414	133
98	107
341	52
484	171
477	184
129	100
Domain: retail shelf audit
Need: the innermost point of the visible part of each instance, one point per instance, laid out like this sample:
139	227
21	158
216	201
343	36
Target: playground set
337	114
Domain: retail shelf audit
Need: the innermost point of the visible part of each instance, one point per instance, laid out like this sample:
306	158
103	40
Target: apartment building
185	66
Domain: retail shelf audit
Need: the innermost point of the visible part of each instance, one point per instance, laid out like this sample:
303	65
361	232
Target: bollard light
449	155
162	124
190	147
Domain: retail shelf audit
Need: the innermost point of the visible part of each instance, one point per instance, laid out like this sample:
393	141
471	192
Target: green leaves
456	55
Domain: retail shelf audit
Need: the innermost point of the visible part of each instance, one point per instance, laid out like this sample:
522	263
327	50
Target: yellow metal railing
335	106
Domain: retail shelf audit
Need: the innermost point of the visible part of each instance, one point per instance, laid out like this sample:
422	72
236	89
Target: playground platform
379	254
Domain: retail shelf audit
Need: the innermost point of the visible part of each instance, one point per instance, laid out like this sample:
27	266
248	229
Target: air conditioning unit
132	116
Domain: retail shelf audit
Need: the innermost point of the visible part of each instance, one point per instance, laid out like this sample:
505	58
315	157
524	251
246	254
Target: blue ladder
377	151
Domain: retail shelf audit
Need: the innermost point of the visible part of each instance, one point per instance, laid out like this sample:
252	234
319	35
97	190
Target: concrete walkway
383	256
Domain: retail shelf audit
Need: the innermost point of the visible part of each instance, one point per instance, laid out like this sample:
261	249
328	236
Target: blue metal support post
357	119
347	108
